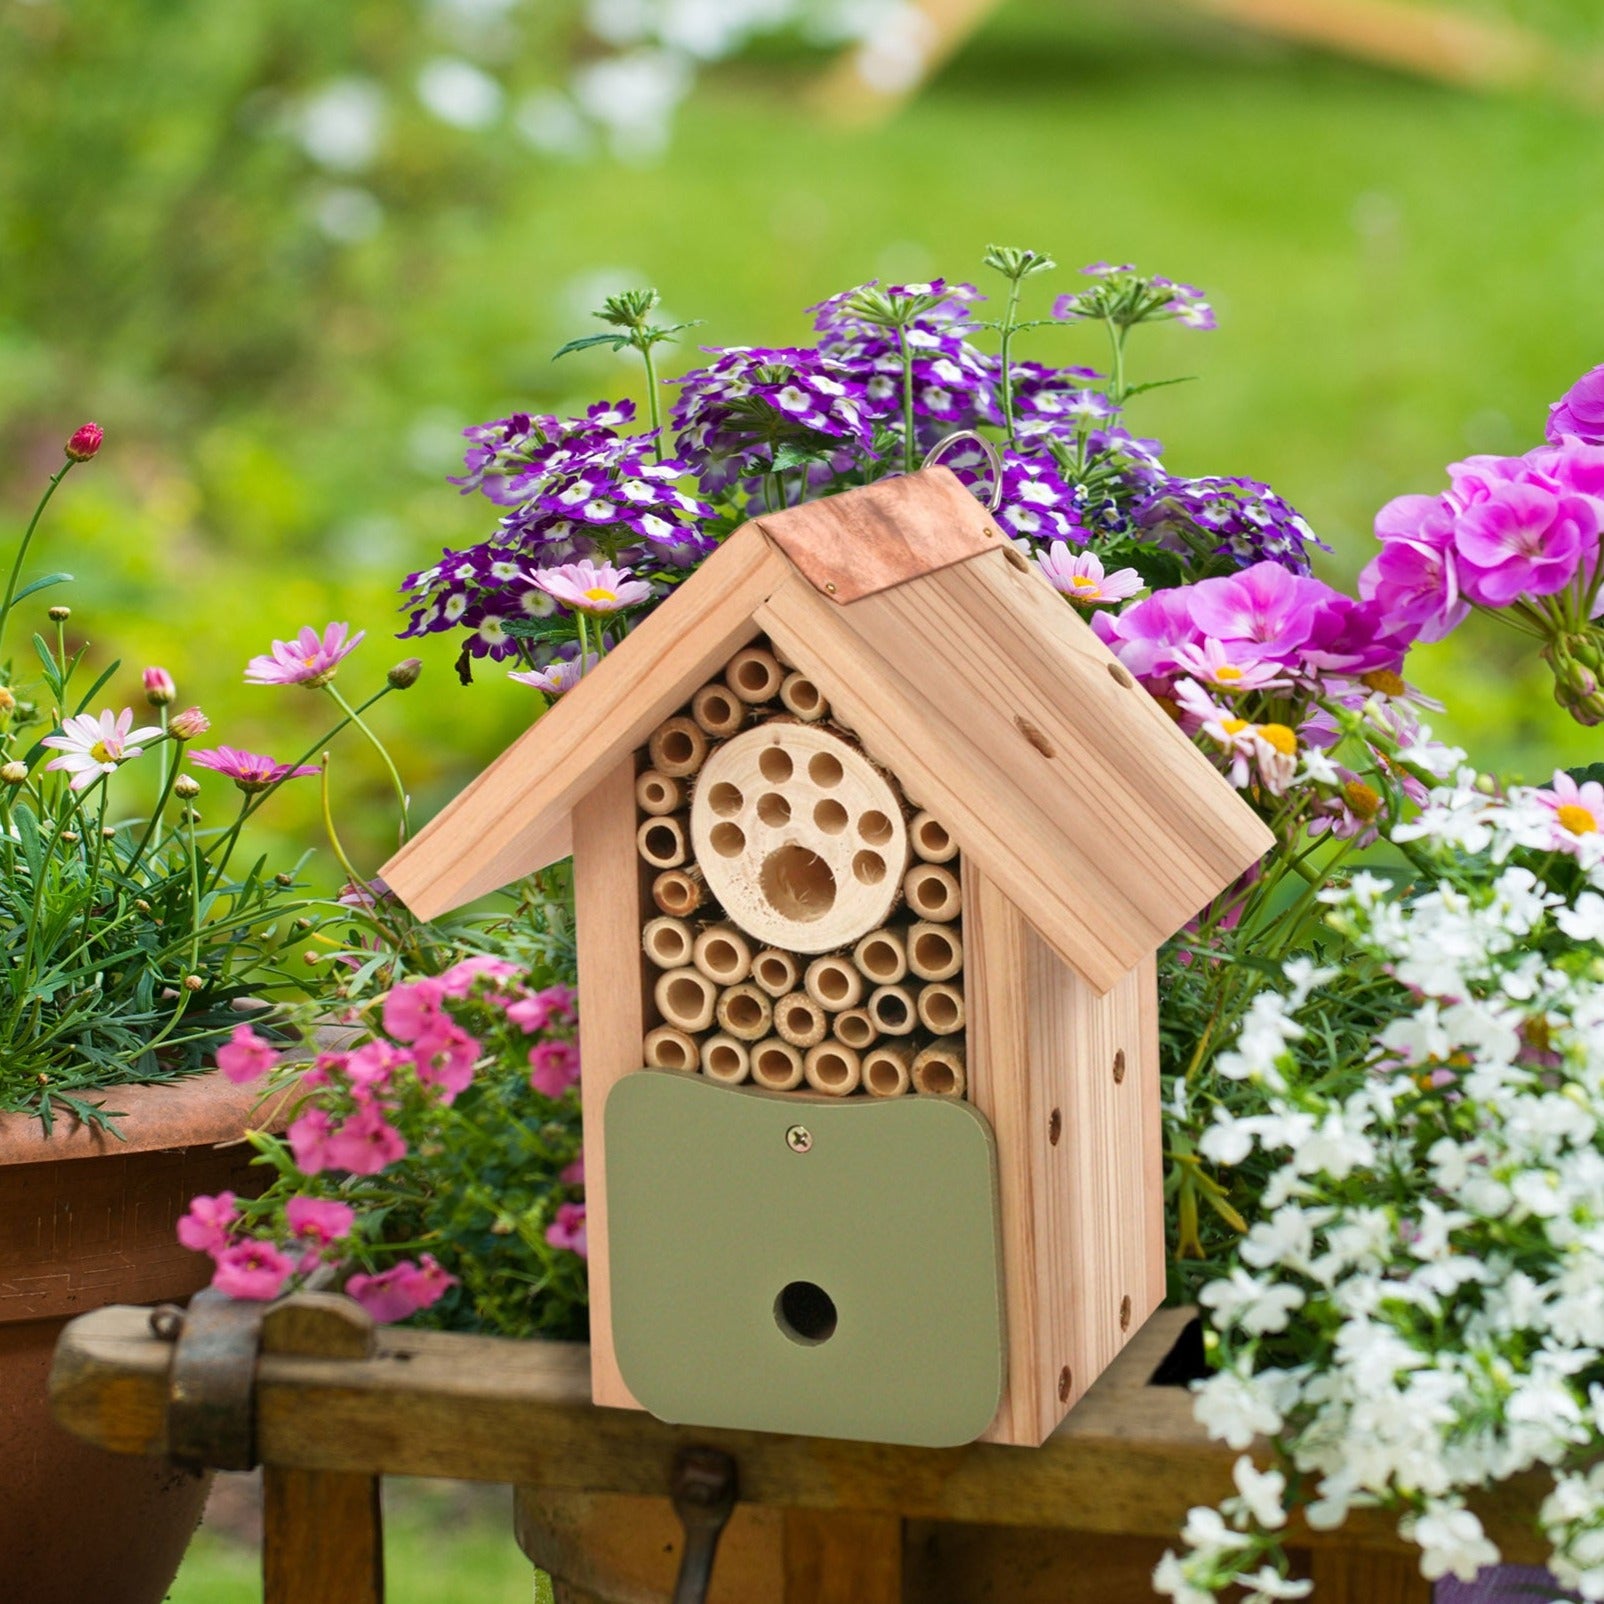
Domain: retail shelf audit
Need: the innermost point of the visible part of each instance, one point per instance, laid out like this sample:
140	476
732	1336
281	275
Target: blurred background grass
282	333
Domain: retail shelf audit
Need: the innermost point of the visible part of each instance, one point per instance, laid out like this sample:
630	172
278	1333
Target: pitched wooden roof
960	669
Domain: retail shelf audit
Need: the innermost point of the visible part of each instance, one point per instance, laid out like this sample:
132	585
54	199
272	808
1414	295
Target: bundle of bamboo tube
883	1018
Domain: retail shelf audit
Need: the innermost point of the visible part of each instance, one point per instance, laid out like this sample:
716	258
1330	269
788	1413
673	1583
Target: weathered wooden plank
1352	1576
843	1556
322	1539
514	818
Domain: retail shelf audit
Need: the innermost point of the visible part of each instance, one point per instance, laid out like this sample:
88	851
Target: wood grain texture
1130	1459
865	541
612	1020
514	818
842	1557
1079	1157
1344	1576
1055	773
322	1537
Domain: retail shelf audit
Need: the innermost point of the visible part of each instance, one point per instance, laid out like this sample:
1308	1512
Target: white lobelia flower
1234	1408
1258	1307
1263	1493
1584	922
1451	1541
1267	1584
1170	1579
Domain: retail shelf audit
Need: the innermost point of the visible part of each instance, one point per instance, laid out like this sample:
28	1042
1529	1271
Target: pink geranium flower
458	980
413	1008
1414	578
563	675
445	1059
250	771
1264	604
245	1056
568	1229
308	1137
554	1005
254	1270
1578	809
204	1229
553	1067
373	1065
365	1143
91	747
1580	411
588	587
1079	576
310	659
1524	540
319	1220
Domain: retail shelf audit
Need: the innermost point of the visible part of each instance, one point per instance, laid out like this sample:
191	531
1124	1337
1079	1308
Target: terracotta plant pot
86	1220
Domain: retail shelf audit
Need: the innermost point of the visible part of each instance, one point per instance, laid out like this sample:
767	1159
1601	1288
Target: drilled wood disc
801	838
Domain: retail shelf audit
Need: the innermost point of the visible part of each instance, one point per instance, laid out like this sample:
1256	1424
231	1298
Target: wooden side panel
1002	711
611	1021
322	1540
513	819
1079	1157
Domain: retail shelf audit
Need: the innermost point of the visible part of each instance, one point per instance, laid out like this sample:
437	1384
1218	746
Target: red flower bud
85	442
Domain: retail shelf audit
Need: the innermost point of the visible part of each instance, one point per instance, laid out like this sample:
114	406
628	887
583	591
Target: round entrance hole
805	1312
797	884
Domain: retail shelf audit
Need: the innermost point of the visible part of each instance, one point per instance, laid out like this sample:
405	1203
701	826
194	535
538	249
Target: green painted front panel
892	1212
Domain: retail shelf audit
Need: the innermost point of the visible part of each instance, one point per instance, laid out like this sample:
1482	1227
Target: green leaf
1592	771
33	852
52	672
553	628
793	454
1158	384
38	585
617	341
84	700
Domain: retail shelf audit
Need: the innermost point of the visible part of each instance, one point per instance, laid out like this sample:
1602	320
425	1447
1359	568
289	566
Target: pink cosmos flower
159	687
310	660
458	980
553	1067
365	1143
402	1290
445	1059
1580	411
1235	669
1268	752
91	747
588	587
319	1220
568	1229
188	725
254	1270
308	1137
204	1229
1578	809
246	1055
250	771
562	675
1079	575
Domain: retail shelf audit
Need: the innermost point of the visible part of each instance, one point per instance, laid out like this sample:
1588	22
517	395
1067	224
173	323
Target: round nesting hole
891	1011
824	769
798	1019
879	957
932	949
833	984
1066	1384
720	954
1055	1128
797	884
772	808
933	838
830	816
752	675
662	842
939	1078
1119	1066
686	997
1125	1313
774	764
882	1077
725	799
832	1069
771	1066
804	695
655	792
729	840
869	868
674	1054
942	1012
805	1312
743	1012
678	747
855	1030
772	971
723	1060
875	828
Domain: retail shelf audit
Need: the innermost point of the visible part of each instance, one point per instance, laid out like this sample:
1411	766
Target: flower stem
1007	368
907	399
654	409
378	746
27	540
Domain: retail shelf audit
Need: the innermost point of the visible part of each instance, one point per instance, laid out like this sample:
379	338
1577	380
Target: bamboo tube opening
667	942
855	1028
799	695
931	839
658	794
725	1059
935	952
717	711
885	1071
754	675
685	998
939	1070
723	954
799	1020
834	984
662	843
678	747
667	1048
932	892
745	1013
832	1069
777	1066
678	892
941	1008
775	971
891	1008
882	955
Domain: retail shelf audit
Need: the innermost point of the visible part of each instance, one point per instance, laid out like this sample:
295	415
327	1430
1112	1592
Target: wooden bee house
874	845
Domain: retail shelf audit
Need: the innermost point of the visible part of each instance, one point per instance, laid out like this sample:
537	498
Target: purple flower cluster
1038	505
573	488
1239	519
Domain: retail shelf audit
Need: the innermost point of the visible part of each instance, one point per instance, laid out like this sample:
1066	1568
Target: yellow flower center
599	595
1385	681
101	753
1228	673
1280	737
1233	726
1363	799
1577	819
1081	582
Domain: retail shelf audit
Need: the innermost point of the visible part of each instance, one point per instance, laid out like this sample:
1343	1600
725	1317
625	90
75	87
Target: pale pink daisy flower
1578	810
250	771
563	675
1079	575
91	747
1233	668
589	587
310	660
1270	750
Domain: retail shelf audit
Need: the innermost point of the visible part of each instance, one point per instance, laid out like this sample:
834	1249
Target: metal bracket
704	1489
211	1408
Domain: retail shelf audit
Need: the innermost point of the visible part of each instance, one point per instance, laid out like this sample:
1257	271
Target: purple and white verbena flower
310	659
93	747
1239	519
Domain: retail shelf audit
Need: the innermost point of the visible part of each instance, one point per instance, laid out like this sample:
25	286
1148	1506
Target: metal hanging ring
993	459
